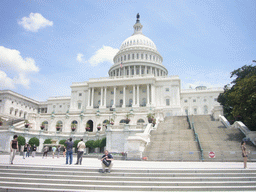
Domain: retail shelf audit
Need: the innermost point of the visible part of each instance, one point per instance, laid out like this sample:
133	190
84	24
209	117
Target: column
101	96
124	103
89	97
129	71
133	101
105	97
147	94
151	71
114	102
153	95
92	97
138	95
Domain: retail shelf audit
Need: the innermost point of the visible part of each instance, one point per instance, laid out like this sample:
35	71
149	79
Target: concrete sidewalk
120	164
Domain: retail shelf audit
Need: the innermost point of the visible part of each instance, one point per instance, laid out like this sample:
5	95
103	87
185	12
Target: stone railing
250	135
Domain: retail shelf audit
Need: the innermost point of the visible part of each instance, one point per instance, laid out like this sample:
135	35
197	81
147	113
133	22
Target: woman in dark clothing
14	148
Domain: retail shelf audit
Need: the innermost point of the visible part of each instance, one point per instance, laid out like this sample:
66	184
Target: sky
46	45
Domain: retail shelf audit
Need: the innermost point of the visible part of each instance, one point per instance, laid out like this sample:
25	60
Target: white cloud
11	59
12	62
105	54
34	22
80	58
6	82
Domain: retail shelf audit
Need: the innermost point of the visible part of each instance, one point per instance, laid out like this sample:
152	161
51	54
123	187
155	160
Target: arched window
90	124
74	124
140	122
45	125
59	125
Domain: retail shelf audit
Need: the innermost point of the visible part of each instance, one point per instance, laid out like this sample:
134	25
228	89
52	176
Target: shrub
47	141
21	140
75	143
90	144
33	141
62	142
103	142
96	143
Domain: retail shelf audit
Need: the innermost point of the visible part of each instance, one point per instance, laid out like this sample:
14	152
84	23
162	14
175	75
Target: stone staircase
173	141
225	142
65	178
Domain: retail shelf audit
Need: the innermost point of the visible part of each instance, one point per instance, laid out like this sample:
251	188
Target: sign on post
211	154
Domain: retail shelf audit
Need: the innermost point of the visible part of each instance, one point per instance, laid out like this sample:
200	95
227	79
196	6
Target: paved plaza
121	164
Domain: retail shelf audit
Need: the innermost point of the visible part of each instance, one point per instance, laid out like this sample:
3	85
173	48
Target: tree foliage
21	140
62	142
239	101
47	141
33	141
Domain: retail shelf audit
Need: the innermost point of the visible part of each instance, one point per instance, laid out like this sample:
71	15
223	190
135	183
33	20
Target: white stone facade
138	84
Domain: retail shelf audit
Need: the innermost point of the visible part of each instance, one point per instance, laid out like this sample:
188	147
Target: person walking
53	151
28	150
69	154
14	148
25	150
34	150
45	151
58	151
244	153
80	152
106	161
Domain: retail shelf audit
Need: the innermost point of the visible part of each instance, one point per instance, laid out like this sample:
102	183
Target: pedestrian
14	148
28	150
58	151
25	150
244	154
34	151
53	151
69	154
80	152
64	151
106	161
45	151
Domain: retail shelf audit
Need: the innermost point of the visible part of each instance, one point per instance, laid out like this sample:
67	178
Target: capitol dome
138	55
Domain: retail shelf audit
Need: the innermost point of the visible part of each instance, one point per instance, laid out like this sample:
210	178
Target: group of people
54	149
27	149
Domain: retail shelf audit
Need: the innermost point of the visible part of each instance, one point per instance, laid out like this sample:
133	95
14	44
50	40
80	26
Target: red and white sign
211	154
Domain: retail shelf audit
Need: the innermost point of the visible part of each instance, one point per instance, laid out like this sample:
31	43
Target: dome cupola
138	55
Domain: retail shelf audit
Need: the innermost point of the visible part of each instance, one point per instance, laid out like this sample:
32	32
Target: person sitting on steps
106	161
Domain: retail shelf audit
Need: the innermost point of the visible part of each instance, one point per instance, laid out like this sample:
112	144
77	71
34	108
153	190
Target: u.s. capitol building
138	85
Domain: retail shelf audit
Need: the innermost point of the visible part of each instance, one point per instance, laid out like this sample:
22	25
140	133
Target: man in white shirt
80	152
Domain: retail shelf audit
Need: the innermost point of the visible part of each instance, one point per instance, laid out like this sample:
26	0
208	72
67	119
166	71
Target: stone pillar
101	96
138	95
129	71
92	97
153	95
124	97
105	97
148	95
133	102
151	70
114	102
89	97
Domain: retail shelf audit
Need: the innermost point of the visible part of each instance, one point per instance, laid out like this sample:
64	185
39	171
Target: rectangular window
144	90
60	106
185	101
112	92
167	89
194	100
79	105
99	93
121	92
167	102
130	91
80	94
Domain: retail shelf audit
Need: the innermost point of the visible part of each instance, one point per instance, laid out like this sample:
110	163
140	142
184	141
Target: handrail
191	125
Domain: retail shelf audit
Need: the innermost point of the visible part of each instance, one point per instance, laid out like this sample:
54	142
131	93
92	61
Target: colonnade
110	93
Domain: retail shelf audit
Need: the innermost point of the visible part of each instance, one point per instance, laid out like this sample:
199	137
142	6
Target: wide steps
65	178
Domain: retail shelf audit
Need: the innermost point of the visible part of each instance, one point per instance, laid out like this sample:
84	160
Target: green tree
33	141
103	142
96	143
21	140
239	101
62	142
47	141
90	144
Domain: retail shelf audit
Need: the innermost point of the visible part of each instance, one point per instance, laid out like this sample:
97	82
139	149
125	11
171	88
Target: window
132	56
99	93
167	102
122	121
80	94
129	57
112	92
125	57
167	89
60	106
99	103
138	56
144	102
130	91
195	111
121	92
121	102
79	106
144	90
130	102
186	111
194	100
185	101
141	56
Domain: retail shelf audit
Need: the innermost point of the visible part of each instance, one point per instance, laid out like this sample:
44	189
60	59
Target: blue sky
47	45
